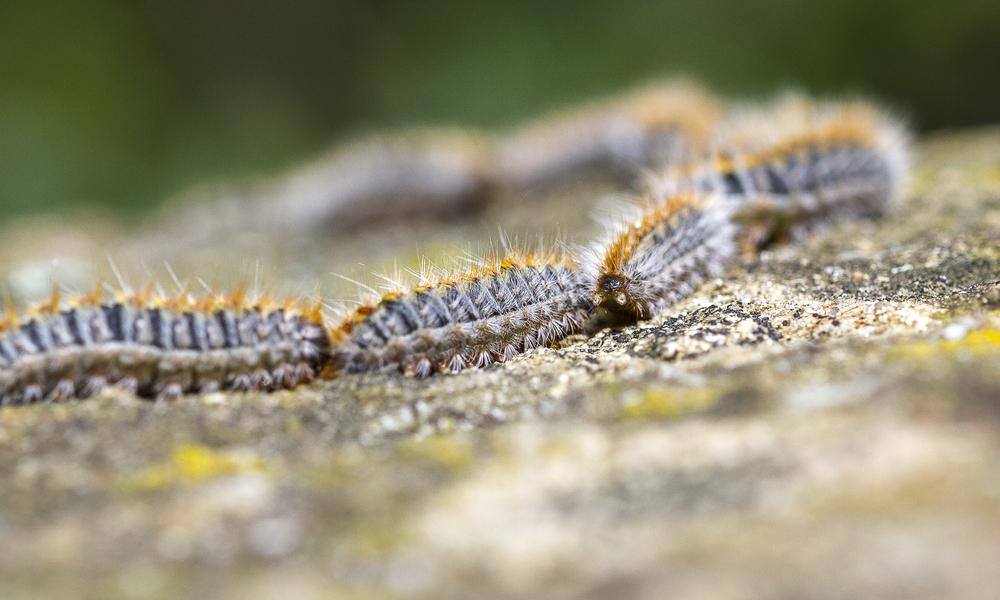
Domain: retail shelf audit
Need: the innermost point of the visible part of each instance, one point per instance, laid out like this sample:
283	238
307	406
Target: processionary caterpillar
789	168
158	347
164	347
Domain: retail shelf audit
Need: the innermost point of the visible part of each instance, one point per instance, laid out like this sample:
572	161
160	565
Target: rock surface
823	422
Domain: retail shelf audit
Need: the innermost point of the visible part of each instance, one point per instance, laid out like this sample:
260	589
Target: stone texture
821	422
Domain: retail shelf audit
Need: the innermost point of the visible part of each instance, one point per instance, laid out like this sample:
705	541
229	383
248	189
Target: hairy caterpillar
421	171
660	256
789	168
440	171
158	347
646	128
162	348
488	314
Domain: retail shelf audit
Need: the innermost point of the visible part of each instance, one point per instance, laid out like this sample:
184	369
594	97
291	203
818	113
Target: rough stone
821	422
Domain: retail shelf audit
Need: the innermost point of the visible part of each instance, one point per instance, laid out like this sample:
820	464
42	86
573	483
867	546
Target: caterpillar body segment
658	257
158	348
490	314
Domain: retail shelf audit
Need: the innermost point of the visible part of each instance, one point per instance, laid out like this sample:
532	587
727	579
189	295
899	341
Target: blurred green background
118	104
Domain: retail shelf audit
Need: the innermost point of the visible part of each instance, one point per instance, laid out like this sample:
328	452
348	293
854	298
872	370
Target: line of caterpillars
434	171
817	162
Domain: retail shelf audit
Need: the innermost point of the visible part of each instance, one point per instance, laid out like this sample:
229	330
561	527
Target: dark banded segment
157	352
772	180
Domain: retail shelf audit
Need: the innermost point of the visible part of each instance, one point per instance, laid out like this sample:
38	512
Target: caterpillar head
622	298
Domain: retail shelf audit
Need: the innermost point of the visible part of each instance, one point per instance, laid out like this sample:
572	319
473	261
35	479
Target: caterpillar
439	171
501	307
164	347
656	258
158	347
789	168
415	172
646	128
433	170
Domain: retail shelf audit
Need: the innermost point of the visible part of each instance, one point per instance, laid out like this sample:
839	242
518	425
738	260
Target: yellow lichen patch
443	451
667	403
975	343
191	464
377	534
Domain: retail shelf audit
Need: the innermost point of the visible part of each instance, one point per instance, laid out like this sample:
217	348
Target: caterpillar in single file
798	164
644	129
158	347
498	309
421	171
784	170
440	171
659	256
